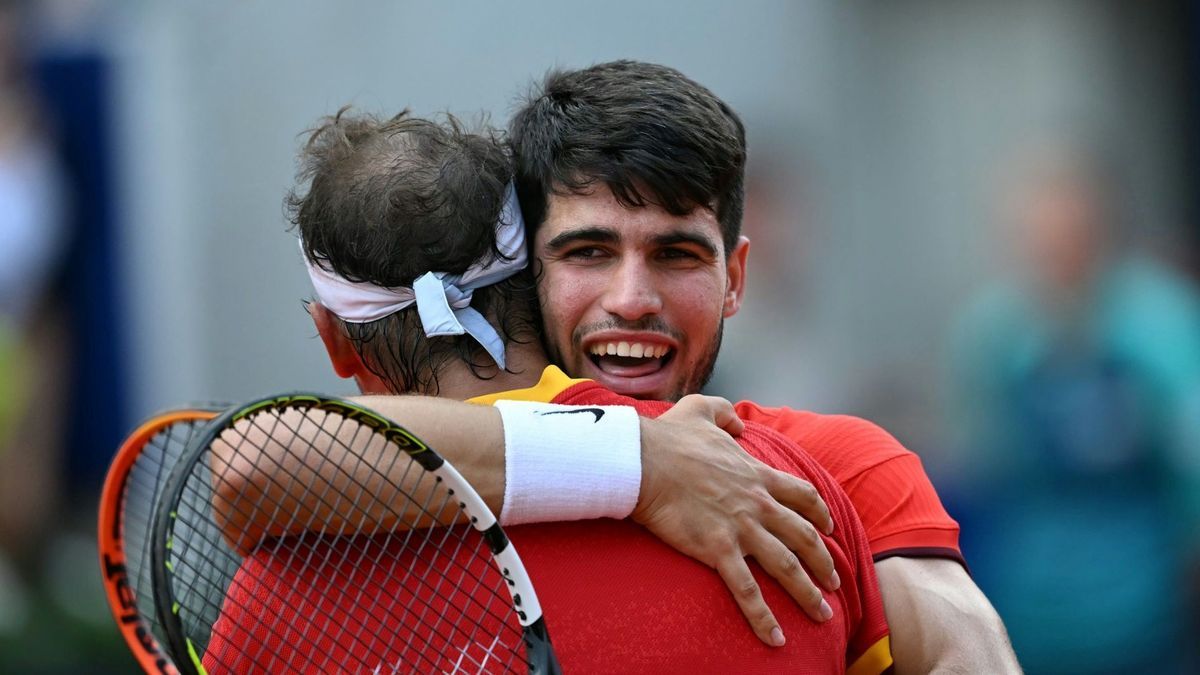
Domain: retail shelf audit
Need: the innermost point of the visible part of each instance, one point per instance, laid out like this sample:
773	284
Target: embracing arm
285	464
940	621
700	492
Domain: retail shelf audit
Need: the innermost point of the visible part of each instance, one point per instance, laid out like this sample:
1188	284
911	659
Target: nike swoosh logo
595	411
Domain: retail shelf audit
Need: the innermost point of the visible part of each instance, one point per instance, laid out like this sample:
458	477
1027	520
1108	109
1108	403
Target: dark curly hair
646	131
389	200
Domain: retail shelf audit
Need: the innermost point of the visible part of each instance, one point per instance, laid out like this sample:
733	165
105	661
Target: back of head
646	131
389	200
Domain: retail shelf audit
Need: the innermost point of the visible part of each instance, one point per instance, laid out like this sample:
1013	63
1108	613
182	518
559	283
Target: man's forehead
599	214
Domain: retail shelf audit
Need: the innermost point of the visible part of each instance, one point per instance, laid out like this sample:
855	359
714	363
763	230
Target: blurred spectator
61	393
33	344
1074	395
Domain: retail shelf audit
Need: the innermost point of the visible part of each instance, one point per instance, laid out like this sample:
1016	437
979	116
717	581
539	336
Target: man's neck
526	361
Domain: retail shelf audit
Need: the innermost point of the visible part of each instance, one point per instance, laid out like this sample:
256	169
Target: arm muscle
940	621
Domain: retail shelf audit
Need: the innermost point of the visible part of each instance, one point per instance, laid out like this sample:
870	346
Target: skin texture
940	621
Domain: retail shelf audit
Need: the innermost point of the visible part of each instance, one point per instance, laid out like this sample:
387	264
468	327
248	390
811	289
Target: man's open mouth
630	359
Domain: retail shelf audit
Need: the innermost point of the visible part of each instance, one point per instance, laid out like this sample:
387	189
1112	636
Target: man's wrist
568	462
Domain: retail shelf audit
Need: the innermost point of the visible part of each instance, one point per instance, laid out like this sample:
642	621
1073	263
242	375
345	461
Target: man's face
635	298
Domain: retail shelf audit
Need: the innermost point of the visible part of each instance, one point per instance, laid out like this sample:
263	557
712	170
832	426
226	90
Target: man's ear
342	354
735	276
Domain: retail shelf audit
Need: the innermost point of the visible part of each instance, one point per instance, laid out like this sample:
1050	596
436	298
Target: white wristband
567	463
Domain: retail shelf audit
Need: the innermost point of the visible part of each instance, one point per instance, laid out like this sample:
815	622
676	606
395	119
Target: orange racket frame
122	598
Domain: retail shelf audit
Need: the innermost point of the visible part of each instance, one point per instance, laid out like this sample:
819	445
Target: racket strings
342	482
463	534
275	603
349	593
146	479
365	515
367	518
298	545
426	509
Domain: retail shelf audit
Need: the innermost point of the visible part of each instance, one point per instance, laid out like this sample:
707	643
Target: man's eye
677	254
586	253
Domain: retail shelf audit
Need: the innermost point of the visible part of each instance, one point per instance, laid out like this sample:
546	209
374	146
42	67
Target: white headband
443	300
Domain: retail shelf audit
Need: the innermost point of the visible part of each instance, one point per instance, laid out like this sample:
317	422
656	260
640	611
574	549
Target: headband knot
443	300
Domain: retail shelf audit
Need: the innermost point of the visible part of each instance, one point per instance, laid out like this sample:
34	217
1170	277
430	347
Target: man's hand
708	498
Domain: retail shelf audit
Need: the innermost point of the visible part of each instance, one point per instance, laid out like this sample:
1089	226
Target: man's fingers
784	566
797	535
725	417
715	408
744	586
800	496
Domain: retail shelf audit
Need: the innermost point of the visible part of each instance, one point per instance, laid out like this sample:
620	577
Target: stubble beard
700	377
704	368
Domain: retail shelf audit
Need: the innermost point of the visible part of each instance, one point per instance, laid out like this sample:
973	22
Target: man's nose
631	293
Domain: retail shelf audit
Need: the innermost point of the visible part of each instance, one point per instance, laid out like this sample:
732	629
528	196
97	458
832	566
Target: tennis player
616	598
620	165
630	176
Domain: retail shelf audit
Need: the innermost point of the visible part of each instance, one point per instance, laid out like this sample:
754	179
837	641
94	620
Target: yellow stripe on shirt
552	383
873	661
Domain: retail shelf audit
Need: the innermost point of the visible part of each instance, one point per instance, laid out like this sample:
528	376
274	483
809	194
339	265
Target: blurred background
974	222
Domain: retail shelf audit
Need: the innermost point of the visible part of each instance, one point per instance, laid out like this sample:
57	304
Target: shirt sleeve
901	511
886	483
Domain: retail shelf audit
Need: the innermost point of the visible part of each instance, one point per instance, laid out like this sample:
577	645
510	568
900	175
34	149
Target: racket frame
539	652
121	596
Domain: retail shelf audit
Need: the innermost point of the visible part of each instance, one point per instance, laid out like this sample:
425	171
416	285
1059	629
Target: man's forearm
470	436
692	493
290	468
563	467
940	621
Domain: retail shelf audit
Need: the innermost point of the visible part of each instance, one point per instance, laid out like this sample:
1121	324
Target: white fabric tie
443	300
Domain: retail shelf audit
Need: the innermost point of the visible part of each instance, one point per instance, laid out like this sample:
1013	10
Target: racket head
134	481
408	577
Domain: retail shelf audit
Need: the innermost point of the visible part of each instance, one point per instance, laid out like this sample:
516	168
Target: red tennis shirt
615	598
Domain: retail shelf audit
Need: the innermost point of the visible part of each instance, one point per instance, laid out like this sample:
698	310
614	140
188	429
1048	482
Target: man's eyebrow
678	237
582	234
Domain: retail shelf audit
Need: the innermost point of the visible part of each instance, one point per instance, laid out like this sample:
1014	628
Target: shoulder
885	482
845	445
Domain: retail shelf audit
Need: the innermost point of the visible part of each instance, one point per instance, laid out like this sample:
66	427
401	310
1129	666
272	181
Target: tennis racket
304	533
134	481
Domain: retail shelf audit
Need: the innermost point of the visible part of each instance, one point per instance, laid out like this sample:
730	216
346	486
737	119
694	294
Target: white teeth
635	350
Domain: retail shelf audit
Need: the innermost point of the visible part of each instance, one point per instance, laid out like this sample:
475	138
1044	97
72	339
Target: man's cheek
556	329
567	302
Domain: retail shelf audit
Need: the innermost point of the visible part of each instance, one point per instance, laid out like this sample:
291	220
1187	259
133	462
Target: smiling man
635	298
631	180
616	599
630	177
